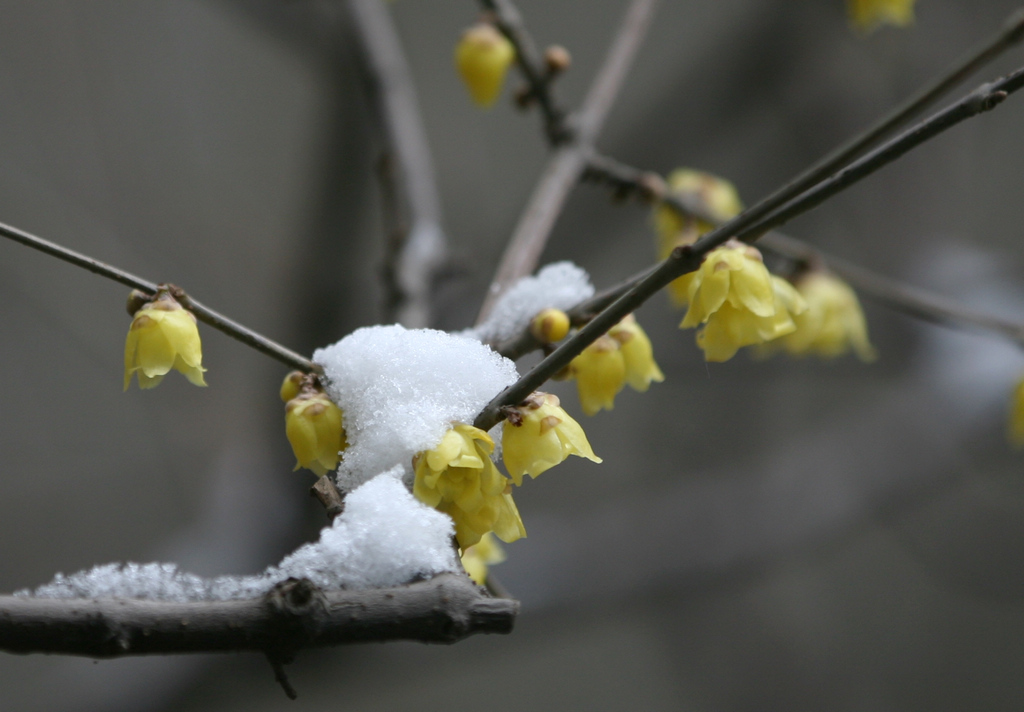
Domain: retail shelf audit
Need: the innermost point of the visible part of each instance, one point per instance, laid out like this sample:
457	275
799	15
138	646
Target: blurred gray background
790	535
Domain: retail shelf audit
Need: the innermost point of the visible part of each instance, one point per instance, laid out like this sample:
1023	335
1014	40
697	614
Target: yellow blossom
315	429
833	321
483	57
600	373
672	229
738	301
1015	431
478	558
550	325
163	336
538	435
868	14
637	354
458	478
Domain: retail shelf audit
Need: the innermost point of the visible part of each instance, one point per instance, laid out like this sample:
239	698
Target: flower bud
557	59
483	57
600	373
550	325
315	430
291	385
637	354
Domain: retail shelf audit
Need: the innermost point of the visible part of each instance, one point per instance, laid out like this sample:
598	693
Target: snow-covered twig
293	615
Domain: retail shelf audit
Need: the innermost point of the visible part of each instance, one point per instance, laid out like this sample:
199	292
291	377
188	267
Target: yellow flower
483	56
1015	429
738	301
833	321
539	435
163	336
478	558
550	325
868	14
458	478
315	430
637	354
672	229
600	373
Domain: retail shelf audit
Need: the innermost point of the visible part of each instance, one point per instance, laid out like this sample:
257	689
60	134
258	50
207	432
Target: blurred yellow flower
1015	430
550	325
458	478
315	430
719	196
637	354
868	14
477	559
600	373
833	321
538	435
483	57
163	336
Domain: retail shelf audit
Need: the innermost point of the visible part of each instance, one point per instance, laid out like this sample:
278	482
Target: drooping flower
637	354
163	336
538	434
600	373
549	326
458	478
477	559
720	198
833	321
316	431
866	15
483	57
739	302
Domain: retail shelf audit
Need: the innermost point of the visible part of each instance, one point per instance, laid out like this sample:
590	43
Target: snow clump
401	389
560	285
385	537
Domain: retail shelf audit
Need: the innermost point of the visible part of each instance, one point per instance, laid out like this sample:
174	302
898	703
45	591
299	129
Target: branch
748	227
292	616
203	313
565	167
416	255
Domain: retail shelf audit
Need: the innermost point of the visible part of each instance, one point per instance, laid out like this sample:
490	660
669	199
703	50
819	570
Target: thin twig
567	164
203	313
687	258
415	261
509	21
444	609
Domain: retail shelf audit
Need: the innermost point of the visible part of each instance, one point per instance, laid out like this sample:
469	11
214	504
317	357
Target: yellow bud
291	385
483	56
163	337
550	325
316	432
637	354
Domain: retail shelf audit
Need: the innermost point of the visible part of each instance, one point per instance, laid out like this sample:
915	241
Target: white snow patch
385	537
401	389
560	285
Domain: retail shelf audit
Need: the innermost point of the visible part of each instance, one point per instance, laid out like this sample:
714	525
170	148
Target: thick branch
419	253
293	616
567	164
747	228
203	313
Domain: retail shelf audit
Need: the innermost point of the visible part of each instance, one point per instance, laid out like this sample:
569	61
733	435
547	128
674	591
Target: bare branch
567	164
748	227
417	257
294	615
203	313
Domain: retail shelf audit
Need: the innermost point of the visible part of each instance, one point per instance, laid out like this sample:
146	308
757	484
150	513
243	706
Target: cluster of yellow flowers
459	478
735	301
868	14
